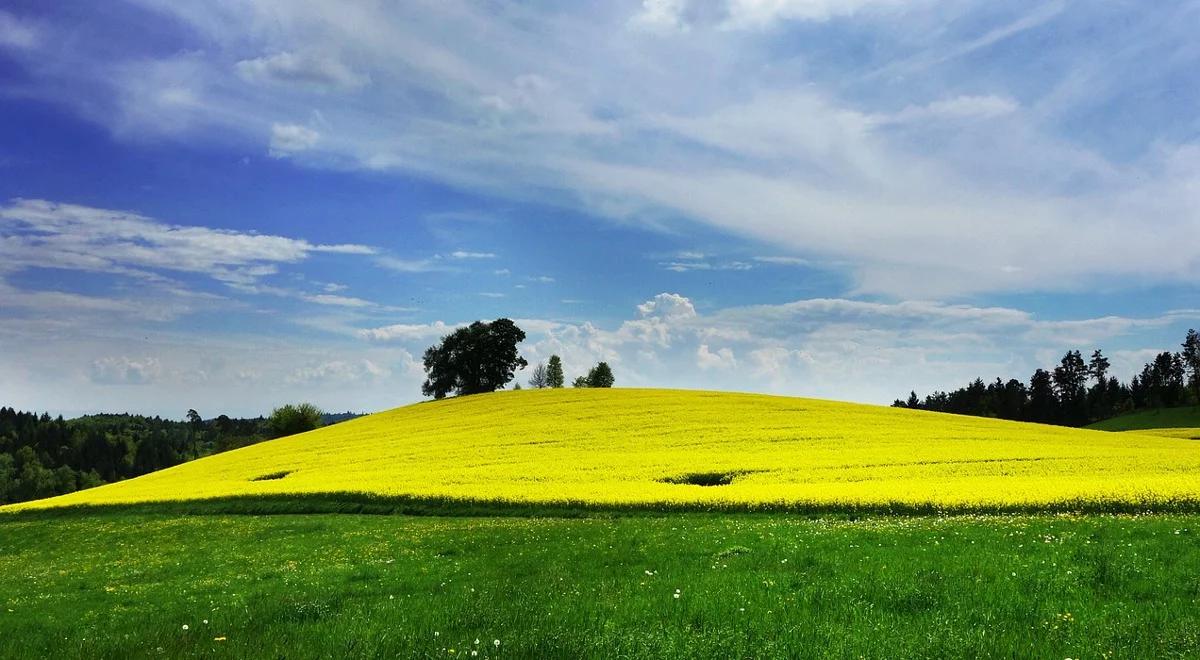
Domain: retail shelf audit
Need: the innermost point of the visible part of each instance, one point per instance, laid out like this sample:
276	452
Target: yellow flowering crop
651	447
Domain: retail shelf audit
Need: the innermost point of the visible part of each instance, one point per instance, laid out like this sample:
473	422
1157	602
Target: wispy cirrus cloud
958	185
49	234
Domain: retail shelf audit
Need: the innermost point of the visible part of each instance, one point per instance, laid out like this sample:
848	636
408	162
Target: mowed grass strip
124	585
673	450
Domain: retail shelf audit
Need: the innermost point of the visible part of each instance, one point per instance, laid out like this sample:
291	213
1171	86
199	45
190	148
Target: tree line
1077	392
42	456
483	357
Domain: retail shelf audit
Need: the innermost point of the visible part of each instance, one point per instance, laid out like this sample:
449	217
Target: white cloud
764	13
783	261
722	358
410	332
38	233
464	254
667	306
309	70
288	139
340	301
125	371
809	155
957	108
667	16
688	266
408	265
338	371
17	33
660	16
846	349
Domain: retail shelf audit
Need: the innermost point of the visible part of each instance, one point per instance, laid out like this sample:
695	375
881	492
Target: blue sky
234	204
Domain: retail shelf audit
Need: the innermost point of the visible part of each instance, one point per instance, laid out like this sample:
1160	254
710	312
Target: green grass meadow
1159	418
126	584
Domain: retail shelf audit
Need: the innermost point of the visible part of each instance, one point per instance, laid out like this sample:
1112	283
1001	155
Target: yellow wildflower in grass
628	447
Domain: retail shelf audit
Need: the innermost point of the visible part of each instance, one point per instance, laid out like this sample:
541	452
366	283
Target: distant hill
667	450
334	418
1159	418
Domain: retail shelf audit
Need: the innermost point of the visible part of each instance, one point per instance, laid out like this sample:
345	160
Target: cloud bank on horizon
264	200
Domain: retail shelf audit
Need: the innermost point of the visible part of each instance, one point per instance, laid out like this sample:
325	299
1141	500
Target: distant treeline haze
1077	392
42	456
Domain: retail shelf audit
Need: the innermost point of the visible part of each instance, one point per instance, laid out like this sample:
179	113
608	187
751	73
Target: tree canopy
554	372
601	375
1063	396
481	357
292	419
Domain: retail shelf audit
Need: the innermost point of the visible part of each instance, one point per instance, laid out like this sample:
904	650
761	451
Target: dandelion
496	643
476	641
185	626
219	639
474	653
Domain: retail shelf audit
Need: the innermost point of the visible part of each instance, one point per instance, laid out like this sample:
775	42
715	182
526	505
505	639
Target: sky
235	204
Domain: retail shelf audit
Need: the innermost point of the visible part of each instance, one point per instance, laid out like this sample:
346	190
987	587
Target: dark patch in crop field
272	476
705	478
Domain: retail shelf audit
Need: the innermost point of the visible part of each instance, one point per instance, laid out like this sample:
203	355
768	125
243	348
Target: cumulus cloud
857	350
667	306
722	358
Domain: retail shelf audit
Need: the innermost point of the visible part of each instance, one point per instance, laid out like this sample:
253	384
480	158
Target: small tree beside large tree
481	357
601	375
554	372
539	380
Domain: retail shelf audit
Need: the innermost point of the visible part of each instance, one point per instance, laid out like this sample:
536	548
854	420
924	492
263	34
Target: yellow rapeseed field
628	447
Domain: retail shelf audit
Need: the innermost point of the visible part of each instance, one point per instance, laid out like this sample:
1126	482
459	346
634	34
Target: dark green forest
1077	392
42	456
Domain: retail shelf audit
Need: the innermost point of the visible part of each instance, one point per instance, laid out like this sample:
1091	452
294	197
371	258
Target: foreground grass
126	585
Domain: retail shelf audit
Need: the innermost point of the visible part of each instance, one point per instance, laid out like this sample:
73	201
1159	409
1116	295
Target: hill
1159	418
663	449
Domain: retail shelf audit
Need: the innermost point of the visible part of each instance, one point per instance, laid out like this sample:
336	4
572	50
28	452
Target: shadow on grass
362	503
